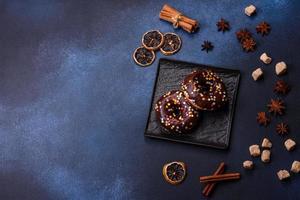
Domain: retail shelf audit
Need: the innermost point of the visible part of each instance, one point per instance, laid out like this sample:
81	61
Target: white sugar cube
289	144
254	150
266	143
295	167
265	58
248	164
280	68
250	10
265	156
257	74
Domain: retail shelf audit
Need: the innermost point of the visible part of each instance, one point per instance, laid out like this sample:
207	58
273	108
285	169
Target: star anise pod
282	128
276	107
281	87
262	118
207	46
249	44
243	34
263	28
223	25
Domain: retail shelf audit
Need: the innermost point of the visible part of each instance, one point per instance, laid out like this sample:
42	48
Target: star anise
263	28
281	87
207	46
282	128
262	118
243	34
276	107
223	25
249	44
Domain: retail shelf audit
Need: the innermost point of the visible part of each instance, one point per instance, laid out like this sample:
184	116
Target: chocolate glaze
175	114
204	90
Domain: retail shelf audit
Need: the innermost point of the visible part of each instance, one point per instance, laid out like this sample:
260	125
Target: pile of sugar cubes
280	67
264	152
285	174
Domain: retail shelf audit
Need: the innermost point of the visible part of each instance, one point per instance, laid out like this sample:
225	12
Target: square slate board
214	127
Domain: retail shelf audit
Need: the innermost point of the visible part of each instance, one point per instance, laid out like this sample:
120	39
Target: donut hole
174	111
202	85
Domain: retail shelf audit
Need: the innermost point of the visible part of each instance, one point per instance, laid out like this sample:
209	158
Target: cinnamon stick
210	186
172	15
220	177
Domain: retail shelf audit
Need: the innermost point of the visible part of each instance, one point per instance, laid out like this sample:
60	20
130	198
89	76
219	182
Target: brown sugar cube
295	167
248	164
254	150
265	58
280	68
265	156
289	144
266	143
283	174
250	10
257	74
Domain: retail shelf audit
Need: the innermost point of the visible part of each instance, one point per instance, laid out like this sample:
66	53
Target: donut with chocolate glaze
205	90
175	114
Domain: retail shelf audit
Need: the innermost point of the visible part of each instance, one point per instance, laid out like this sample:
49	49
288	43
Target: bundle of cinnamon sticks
178	19
218	176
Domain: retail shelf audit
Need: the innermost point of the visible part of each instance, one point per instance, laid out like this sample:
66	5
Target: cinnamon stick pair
178	19
209	187
218	176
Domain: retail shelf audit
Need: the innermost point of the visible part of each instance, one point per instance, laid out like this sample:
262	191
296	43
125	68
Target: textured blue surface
74	105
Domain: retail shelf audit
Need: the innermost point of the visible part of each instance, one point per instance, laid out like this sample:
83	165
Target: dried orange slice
172	44
143	56
174	172
153	40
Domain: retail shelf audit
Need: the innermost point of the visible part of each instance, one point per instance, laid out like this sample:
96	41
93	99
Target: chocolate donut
205	90
175	114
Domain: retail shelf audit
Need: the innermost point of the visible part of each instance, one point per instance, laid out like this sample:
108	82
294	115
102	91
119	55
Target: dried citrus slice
143	56
172	44
153	40
174	172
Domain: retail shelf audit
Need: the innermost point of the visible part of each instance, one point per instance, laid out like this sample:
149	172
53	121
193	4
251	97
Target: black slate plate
214	127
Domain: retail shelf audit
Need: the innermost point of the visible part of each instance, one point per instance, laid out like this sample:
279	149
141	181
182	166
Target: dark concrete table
74	105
